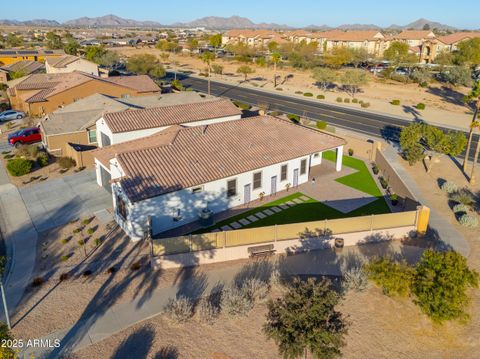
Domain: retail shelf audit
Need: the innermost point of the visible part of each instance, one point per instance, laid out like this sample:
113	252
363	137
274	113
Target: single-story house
24	67
172	175
75	124
70	63
117	127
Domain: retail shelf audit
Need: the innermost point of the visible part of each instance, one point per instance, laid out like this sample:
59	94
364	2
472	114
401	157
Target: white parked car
11	115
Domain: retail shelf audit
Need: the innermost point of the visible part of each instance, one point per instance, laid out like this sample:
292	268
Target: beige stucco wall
79	65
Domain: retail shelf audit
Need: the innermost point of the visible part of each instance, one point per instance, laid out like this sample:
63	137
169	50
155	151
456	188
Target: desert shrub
81	242
308	94
86	221
91	231
463	196
279	89
275	113
383	182
98	241
179	309
64	276
366	105
355	279
22	151
65	257
339	99
136	265
393	277
354	100
77	230
235	301
395	102
346	100
38	281
321	97
242	105
321	125
42	159
399	78
468	220
440	283
350	151
394	199
293	118
255	289
207	311
420	106
460	208
19	166
66	162
298	92
449	187
375	168
32	150
65	240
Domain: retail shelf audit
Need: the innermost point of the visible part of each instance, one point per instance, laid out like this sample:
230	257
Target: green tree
457	75
359	56
275	58
245	70
260	61
93	53
16	74
305	320
444	58
397	53
421	76
215	41
54	41
473	100
13	40
410	138
207	57
324	77
217	69
338	56
192	44
272	46
468	52
71	47
146	64
393	277
108	59
170	46
440	283
352	80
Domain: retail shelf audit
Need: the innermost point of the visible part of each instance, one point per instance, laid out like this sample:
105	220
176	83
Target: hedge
322	125
242	105
19	166
420	106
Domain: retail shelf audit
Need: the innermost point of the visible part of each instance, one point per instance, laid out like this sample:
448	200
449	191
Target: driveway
56	202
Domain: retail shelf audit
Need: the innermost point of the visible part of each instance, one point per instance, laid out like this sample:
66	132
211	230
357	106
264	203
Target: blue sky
459	13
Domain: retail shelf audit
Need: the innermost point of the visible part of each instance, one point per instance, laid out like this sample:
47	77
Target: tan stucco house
69	63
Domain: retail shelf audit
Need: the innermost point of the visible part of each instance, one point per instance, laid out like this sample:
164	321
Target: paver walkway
447	233
104	322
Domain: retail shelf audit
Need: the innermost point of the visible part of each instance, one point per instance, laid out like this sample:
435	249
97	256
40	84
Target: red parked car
24	136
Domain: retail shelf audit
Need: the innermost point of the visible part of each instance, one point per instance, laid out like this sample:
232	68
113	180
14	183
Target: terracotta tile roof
361	35
62	61
326	34
250	33
299	33
133	120
26	67
414	35
458	36
202	154
140	83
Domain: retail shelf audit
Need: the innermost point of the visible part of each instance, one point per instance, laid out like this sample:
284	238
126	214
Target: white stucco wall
163	209
121	137
79	65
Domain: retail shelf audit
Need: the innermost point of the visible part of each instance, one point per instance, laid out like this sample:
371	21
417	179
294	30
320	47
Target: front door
106	177
295	177
274	185
247	193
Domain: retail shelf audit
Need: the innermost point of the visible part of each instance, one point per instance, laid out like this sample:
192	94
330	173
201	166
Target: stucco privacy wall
287	246
185	204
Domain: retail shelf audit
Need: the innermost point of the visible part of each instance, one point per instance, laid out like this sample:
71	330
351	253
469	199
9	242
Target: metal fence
241	237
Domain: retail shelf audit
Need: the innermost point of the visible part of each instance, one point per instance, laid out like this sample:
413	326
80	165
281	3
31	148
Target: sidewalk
94	327
447	233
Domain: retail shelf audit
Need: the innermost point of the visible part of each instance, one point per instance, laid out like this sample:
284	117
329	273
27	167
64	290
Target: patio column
338	165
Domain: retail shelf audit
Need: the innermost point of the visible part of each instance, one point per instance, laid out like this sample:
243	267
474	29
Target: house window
121	208
316	155
92	136
257	180
283	172
197	189
303	167
232	188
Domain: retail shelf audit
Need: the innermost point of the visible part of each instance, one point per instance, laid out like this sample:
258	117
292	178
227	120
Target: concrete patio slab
268	212
283	206
104	216
235	225
260	215
276	209
291	204
252	218
297	200
244	221
226	228
304	198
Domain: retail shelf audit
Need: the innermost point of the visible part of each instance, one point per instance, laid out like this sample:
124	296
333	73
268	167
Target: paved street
364	122
56	202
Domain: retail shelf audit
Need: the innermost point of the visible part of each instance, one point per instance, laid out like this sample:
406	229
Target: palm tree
475	124
275	59
473	96
208	58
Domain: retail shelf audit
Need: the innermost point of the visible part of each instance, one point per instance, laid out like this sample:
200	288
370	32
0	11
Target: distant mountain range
214	22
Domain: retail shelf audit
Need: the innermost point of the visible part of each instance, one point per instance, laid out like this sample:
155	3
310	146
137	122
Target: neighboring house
371	41
24	67
75	124
254	38
172	175
9	56
118	127
450	42
421	42
41	94
70	63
